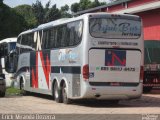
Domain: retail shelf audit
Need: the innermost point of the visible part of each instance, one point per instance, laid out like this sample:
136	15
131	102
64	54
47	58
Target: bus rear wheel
65	98
57	93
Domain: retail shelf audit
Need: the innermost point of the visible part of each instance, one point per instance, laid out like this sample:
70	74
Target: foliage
45	14
52	14
11	24
27	13
96	3
75	7
65	11
38	11
85	4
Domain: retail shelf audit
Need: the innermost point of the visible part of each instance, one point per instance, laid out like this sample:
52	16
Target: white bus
92	56
7	46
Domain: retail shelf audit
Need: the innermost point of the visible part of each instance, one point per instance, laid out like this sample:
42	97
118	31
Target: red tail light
142	73
86	72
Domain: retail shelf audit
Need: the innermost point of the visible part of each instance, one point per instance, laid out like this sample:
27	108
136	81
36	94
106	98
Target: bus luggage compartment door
111	66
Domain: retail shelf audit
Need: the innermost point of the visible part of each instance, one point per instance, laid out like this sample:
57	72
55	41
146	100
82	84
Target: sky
59	3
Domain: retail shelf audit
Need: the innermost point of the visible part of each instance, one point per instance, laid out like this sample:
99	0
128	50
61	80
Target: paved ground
148	104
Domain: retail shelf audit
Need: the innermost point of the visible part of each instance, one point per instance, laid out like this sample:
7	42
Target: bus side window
58	37
33	45
67	38
22	43
52	38
71	42
78	32
46	41
64	37
30	42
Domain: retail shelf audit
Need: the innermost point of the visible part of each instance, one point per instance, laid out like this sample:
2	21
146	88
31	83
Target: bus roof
66	20
52	23
7	40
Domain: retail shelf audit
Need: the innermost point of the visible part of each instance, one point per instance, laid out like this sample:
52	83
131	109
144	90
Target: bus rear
115	62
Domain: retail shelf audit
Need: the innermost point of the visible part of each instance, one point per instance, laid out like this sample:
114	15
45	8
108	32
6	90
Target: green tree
52	14
47	6
96	3
45	14
65	11
39	12
65	8
85	4
27	12
75	7
11	24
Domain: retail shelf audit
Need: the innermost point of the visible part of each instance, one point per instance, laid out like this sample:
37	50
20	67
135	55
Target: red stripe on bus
35	76
46	68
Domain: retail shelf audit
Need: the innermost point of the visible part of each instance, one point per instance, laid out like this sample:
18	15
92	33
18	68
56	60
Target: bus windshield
115	28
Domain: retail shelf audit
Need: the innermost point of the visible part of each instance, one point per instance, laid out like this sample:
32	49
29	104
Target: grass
13	91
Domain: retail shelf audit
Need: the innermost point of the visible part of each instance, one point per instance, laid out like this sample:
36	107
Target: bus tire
147	89
65	98
57	93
